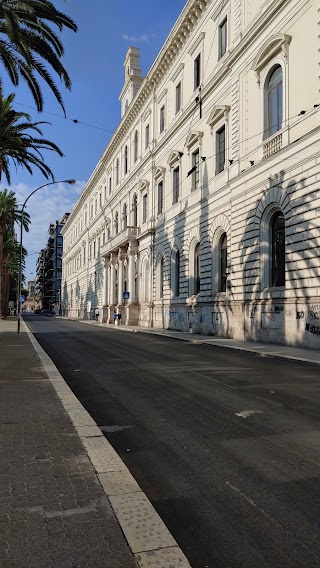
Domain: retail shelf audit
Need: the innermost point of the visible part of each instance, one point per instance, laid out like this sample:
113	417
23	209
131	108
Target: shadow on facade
272	314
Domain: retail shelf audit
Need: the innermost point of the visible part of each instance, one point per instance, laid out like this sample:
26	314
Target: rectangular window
95	205
110	185
144	208
196	170
220	149
160	197
178	97
197	71
176	184
223	37
147	136
162	121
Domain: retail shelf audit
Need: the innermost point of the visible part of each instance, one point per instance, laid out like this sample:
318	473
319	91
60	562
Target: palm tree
9	214
11	266
30	48
18	145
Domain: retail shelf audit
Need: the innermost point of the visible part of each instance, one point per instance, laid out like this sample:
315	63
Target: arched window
135	210
116	223
223	262
126	160
177	274
117	171
135	146
197	267
125	216
274	98
277	230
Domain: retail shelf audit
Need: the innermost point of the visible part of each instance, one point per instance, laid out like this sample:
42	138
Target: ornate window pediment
162	95
146	114
174	157
177	72
278	43
159	172
218	112
196	43
143	185
194	138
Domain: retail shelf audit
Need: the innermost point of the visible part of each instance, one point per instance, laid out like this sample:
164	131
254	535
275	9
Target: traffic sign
22	298
126	295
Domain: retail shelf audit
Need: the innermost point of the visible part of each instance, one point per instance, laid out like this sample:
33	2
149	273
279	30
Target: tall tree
30	47
9	214
11	266
17	144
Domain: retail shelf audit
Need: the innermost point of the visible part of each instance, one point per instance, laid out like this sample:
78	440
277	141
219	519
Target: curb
151	543
203	342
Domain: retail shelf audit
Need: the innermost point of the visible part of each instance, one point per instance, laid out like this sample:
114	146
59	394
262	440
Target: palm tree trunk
2	226
5	288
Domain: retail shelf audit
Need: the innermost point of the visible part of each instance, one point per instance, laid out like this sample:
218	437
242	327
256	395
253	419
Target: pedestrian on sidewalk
115	315
119	318
97	313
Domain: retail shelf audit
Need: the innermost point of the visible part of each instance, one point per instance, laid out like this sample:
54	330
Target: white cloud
142	38
44	207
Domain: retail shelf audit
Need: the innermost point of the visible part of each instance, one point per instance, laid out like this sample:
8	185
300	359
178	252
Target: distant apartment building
202	213
49	267
31	286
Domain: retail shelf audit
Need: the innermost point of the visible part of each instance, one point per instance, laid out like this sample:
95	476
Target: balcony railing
272	146
122	238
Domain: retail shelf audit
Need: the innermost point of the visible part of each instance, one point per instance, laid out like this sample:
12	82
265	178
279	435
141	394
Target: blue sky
94	59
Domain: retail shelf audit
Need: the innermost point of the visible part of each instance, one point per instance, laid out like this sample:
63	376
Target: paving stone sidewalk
53	510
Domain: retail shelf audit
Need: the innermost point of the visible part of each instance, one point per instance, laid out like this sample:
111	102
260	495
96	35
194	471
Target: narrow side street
225	444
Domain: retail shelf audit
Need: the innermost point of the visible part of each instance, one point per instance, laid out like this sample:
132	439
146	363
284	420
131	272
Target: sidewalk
53	510
67	500
263	349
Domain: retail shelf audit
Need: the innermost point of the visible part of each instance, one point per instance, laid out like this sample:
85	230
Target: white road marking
246	413
252	503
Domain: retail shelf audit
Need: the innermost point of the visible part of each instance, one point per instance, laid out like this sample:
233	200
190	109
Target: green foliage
17	141
9	248
30	47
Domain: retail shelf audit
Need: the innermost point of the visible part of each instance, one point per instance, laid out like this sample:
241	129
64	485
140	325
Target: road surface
225	444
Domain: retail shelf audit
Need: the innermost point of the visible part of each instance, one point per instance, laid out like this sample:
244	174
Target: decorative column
110	289
112	281
121	258
132	309
105	290
131	275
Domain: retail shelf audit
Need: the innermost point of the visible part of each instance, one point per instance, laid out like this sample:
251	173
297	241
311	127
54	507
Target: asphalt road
235	489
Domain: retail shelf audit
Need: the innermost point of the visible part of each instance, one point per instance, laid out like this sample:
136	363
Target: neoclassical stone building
204	208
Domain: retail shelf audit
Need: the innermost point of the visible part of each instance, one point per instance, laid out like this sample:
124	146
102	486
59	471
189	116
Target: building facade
203	210
49	268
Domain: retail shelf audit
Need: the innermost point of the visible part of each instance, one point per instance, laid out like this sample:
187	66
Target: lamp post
71	182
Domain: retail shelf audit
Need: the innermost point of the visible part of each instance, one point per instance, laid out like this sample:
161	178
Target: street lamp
71	182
